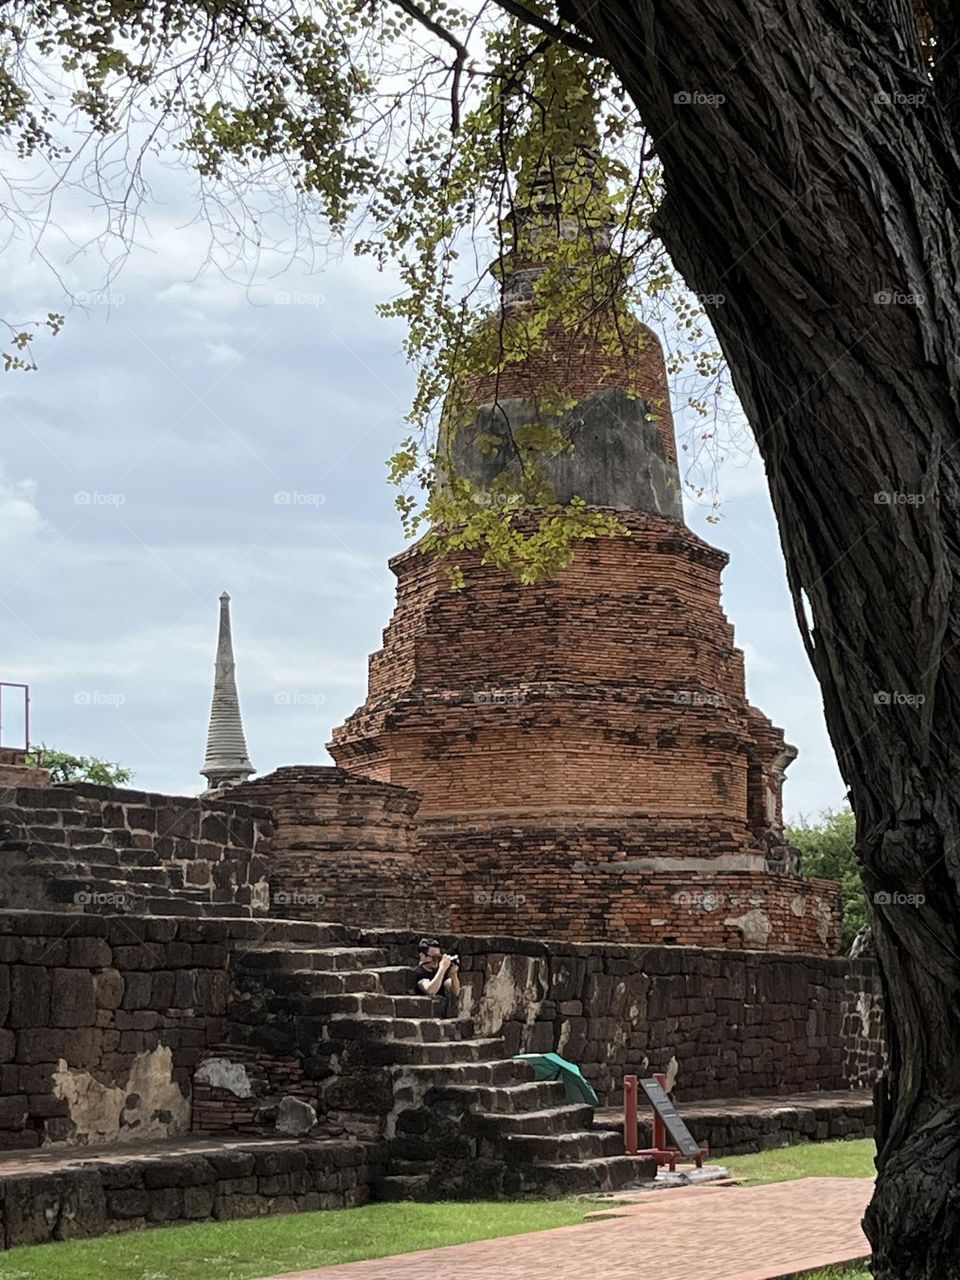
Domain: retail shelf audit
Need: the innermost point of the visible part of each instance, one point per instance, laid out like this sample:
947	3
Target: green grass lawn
840	1273
852	1159
267	1246
291	1242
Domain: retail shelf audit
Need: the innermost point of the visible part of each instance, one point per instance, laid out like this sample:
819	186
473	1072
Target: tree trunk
815	204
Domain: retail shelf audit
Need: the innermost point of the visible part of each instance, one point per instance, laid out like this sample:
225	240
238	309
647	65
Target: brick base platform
735	1126
68	1195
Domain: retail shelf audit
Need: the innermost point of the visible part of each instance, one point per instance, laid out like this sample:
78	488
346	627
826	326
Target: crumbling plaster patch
149	1105
754	925
222	1073
514	990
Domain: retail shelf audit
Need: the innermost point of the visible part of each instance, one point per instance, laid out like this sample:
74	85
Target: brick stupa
589	765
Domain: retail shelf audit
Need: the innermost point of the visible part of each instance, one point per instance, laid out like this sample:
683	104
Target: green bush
827	846
67	768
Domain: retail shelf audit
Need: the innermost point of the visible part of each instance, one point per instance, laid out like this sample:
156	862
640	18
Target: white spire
227	759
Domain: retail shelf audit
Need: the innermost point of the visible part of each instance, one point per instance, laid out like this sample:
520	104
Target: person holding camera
436	974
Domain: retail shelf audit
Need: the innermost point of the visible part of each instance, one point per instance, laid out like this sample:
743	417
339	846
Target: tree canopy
418	134
65	767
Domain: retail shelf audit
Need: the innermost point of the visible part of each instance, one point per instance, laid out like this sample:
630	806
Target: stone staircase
460	1117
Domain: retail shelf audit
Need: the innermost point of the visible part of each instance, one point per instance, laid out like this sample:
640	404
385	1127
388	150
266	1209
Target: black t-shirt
419	974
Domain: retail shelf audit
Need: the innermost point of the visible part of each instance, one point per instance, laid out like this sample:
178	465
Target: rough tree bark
828	176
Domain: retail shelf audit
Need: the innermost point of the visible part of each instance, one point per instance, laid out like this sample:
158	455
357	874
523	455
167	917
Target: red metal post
630	1141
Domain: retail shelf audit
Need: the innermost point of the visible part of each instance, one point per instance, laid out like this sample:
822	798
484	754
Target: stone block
138	990
165	1204
198	1202
89	953
73	998
67	1206
29	996
108	989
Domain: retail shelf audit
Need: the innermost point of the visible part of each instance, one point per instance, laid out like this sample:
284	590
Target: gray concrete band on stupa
617	457
226	759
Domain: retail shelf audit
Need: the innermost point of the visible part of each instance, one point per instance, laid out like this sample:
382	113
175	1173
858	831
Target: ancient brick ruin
565	781
220	988
587	762
344	848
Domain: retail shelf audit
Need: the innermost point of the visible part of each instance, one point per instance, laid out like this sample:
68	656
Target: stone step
322	958
442	1076
551	1120
348	1026
552	1148
533	1095
73	888
178	906
396	980
419	1052
611	1173
418	1186
298	984
152	874
369	1004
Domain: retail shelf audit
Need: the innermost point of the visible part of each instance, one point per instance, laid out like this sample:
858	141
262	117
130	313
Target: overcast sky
140	470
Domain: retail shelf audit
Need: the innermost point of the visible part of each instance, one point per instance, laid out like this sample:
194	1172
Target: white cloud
20	518
221	353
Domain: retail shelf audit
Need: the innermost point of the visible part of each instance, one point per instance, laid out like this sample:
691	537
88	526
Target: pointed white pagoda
226	759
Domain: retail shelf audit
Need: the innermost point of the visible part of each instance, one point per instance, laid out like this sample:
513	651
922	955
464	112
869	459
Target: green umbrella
550	1066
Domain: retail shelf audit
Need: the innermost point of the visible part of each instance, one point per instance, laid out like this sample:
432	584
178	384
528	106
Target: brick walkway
725	1233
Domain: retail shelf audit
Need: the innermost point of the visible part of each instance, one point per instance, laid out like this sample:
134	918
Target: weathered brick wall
576	364
15	772
610	897
103	1019
595	719
344	848
738	1023
89	848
